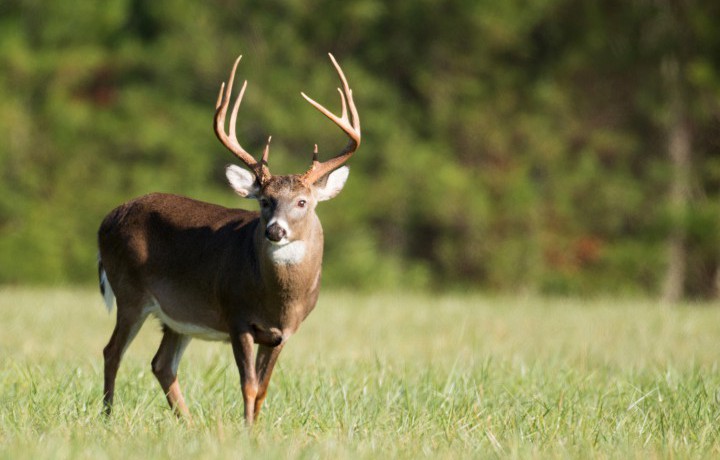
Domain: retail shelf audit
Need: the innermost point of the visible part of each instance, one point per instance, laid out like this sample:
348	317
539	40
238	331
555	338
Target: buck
214	273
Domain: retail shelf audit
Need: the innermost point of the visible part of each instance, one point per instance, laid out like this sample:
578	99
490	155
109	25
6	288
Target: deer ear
242	181
331	184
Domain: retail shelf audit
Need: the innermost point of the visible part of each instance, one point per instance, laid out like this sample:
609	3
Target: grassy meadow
387	375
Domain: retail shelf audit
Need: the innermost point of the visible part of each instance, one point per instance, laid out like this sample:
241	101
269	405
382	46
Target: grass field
386	376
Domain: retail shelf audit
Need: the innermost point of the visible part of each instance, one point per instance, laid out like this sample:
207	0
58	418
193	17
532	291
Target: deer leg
126	329
242	344
165	366
266	359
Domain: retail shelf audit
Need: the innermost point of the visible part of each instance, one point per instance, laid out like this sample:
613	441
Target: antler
230	141
349	124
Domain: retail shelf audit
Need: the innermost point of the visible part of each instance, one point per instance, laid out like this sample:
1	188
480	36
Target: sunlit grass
387	375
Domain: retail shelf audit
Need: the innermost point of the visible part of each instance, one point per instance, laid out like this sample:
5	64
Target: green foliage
506	145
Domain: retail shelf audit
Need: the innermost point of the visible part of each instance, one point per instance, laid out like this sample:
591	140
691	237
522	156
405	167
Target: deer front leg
242	344
266	358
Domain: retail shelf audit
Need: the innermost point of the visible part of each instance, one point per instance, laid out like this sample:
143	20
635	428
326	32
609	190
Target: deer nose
275	233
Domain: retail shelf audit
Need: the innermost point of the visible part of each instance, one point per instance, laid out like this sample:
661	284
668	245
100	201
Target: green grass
382	376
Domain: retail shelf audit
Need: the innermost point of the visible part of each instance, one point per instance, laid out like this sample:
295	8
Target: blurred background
550	146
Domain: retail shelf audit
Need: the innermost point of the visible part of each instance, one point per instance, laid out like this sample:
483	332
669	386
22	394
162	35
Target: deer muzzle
275	233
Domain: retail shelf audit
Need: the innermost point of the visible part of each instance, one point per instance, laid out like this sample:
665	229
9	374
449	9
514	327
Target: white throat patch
287	254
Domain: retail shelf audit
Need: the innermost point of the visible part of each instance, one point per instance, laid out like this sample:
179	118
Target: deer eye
301	203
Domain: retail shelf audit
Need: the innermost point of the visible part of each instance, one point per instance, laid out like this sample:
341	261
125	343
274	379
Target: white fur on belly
189	329
287	254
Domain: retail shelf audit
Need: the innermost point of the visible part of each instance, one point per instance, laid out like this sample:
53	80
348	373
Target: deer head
287	202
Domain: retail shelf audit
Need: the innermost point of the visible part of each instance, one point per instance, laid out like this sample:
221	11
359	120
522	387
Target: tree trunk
679	150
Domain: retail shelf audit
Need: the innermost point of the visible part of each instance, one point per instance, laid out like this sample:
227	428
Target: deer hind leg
130	318
165	367
266	359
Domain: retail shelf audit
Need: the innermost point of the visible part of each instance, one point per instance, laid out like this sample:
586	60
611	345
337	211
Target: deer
214	273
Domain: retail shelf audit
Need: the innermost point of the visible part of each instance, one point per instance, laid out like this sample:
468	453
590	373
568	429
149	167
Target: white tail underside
106	290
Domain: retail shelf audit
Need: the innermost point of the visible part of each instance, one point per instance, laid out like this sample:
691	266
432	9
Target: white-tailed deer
215	273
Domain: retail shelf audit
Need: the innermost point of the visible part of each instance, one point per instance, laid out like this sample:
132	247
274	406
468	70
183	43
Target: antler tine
230	141
344	104
220	96
349	123
233	114
266	152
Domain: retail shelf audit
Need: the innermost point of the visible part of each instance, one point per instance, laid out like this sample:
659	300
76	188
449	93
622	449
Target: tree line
555	146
